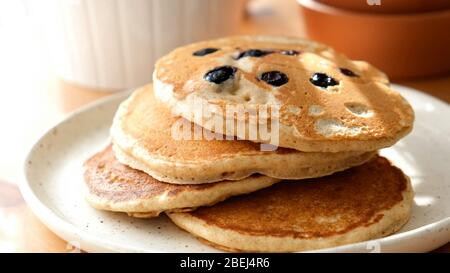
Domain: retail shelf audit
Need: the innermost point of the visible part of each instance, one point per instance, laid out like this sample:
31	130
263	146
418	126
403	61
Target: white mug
113	44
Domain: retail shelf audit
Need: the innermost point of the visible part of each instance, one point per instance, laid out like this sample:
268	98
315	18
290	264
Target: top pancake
144	138
360	112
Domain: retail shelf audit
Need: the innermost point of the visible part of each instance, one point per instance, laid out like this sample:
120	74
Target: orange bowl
389	6
402	45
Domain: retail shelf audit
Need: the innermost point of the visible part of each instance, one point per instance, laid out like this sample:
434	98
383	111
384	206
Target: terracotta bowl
402	45
389	6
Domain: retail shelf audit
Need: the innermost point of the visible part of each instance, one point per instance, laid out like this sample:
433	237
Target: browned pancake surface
108	178
315	207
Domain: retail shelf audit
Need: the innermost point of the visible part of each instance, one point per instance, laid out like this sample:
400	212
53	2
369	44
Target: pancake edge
183	201
276	166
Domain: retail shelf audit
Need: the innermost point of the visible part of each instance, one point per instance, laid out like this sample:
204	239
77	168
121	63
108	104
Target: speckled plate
53	186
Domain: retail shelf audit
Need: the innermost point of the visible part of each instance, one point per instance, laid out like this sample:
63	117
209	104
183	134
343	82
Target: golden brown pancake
327	103
366	202
142	133
116	187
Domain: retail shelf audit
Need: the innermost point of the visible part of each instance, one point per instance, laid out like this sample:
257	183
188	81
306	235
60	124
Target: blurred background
58	55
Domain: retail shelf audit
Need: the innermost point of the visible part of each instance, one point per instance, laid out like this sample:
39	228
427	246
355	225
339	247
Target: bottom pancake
366	202
114	186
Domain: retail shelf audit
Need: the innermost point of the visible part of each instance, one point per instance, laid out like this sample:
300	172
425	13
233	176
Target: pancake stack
317	182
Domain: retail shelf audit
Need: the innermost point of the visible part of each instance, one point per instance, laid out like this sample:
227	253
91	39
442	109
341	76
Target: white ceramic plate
53	186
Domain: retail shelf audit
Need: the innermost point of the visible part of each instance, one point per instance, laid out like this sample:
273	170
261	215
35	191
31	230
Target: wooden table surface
32	99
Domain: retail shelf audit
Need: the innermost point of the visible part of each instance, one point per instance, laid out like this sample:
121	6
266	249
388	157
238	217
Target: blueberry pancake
114	186
324	102
363	203
144	134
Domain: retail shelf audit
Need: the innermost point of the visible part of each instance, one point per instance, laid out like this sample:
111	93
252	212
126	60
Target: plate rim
69	232
47	216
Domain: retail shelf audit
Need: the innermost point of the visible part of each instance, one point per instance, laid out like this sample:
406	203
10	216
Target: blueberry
275	78
348	72
253	53
205	51
322	80
220	74
290	52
